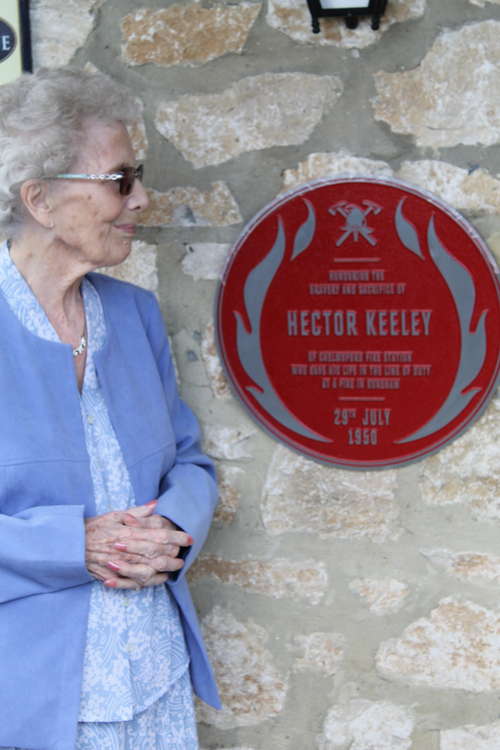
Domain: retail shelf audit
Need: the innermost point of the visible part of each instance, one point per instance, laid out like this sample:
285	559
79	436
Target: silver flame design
407	232
248	343
473	344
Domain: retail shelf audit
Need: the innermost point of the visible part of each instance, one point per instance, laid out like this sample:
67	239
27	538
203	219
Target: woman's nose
138	199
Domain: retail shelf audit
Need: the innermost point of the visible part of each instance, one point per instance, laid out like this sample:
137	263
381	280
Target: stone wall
342	610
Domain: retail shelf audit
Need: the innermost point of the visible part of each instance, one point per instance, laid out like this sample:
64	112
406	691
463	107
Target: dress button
90	419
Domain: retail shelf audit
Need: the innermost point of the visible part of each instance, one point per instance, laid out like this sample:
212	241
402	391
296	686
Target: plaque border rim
272	206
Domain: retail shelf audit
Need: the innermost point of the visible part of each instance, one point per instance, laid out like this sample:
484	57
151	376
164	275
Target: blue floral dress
136	689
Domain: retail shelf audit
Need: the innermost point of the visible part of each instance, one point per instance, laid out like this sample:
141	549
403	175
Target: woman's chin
120	252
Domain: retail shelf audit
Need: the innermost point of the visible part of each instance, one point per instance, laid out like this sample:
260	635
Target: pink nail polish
113	565
110	583
152	502
190	541
121	547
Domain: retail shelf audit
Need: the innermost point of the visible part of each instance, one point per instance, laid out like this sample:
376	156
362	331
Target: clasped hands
134	548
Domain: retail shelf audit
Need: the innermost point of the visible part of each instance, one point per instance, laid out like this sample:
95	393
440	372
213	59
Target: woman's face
91	219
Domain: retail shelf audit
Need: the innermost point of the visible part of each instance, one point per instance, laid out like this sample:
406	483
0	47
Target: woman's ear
35	196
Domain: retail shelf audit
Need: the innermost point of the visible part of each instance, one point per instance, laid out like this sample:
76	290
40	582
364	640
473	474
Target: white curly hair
42	117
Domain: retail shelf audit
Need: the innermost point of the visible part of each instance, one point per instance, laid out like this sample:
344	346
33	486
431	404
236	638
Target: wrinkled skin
134	548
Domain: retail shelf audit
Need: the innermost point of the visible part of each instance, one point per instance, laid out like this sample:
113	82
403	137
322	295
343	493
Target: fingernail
111	583
190	540
113	565
131	519
152	502
121	547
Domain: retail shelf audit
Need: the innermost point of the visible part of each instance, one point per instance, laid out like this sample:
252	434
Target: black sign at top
15	39
8	40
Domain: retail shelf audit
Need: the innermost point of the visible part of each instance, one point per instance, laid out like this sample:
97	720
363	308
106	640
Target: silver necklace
81	346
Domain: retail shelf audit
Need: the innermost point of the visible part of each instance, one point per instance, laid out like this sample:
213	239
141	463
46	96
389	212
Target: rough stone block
476	567
278	578
302	496
468	470
59	29
456	647
452	96
334	164
383	596
191	207
252	690
475	192
368	725
319	652
255	113
229	443
470	737
186	33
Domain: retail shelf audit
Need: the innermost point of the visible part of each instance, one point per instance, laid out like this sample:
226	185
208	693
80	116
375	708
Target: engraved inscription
341	322
378	370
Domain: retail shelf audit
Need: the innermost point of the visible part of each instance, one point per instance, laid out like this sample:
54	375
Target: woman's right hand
133	548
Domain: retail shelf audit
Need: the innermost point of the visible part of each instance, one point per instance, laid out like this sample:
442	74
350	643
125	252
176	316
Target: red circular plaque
359	320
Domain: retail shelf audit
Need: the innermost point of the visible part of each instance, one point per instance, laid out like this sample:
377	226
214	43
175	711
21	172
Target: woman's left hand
144	550
153	540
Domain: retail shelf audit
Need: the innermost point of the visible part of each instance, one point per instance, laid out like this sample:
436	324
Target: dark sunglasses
125	177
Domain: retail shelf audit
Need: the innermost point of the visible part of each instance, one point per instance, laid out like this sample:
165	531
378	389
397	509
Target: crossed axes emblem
355	217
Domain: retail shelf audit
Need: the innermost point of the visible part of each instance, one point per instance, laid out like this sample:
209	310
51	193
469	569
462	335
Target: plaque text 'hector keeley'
358	321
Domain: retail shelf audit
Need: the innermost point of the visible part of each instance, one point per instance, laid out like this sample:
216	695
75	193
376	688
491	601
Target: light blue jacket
46	492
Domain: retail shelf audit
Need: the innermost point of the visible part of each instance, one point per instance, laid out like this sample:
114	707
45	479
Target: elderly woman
105	497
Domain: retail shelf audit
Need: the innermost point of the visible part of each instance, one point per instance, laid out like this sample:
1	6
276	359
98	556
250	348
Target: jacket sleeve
42	549
188	493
